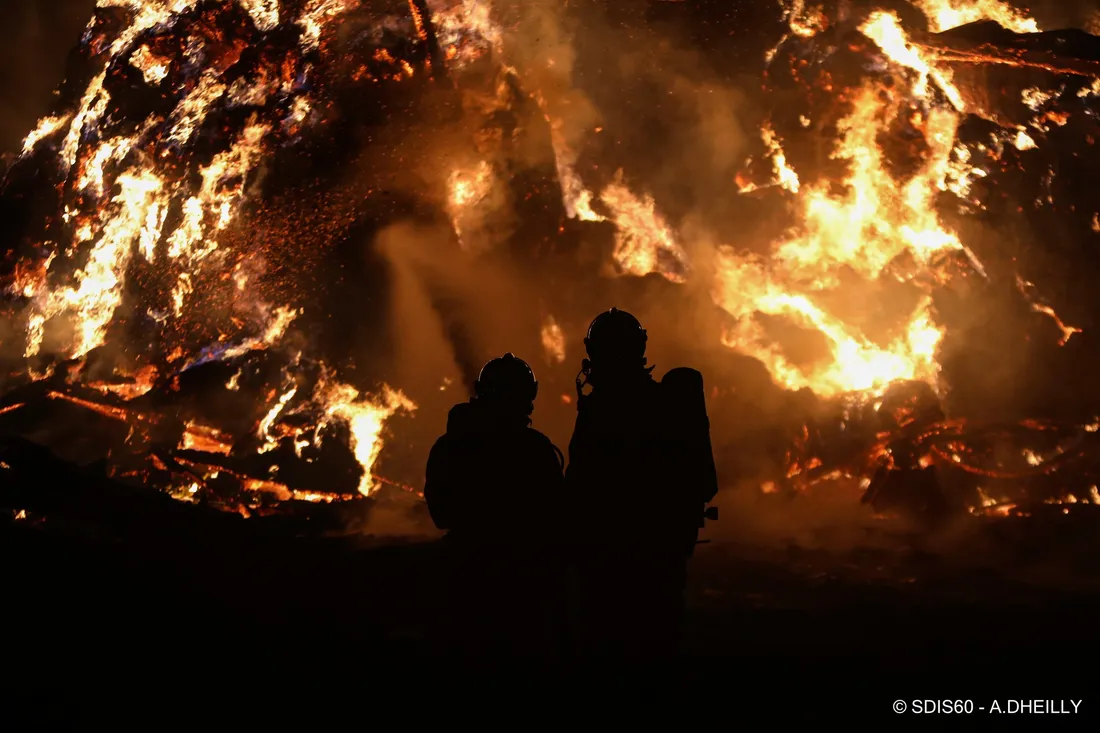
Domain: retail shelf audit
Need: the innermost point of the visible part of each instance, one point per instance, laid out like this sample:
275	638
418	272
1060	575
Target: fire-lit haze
211	163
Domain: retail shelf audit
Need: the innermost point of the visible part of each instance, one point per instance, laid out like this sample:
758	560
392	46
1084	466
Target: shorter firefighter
493	483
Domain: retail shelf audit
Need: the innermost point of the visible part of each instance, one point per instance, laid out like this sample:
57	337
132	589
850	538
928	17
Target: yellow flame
132	220
885	30
136	214
576	198
271	439
216	203
553	341
151	66
365	417
317	14
643	235
47	126
146	14
192	110
785	176
265	13
863	229
804	21
944	15
468	188
466	31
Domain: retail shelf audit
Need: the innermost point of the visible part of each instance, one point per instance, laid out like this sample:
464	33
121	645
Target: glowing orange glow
206	439
553	341
115	413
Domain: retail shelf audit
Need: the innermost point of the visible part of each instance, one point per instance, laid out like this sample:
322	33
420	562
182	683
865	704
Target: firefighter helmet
507	378
616	336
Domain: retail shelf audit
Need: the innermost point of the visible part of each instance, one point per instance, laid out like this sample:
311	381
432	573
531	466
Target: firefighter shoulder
491	469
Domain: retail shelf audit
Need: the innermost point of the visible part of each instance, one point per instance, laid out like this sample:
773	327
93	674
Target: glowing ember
206	439
115	413
139	384
1024	141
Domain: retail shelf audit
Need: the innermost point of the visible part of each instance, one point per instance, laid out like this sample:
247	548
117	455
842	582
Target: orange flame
944	15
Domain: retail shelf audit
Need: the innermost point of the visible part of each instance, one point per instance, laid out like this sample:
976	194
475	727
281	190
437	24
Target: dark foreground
204	620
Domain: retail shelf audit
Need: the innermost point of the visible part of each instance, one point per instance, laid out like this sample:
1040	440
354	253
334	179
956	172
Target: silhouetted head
508	384
616	343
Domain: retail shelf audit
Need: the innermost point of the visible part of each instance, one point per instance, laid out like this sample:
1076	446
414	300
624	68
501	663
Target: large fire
874	222
159	196
158	169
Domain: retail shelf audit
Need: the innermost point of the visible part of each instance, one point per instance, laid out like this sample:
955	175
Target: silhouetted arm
438	490
708	472
578	450
550	500
551	464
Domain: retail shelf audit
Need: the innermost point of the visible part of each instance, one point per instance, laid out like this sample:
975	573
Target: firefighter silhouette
492	483
641	472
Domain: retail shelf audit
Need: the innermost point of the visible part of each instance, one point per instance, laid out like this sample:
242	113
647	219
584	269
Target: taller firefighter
641	472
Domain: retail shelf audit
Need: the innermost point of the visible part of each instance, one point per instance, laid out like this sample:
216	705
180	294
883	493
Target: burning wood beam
988	55
425	28
115	413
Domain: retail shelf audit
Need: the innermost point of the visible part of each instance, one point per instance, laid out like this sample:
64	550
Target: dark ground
197	618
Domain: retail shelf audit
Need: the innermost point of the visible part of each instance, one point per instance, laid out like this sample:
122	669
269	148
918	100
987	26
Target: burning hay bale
187	280
164	127
890	142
